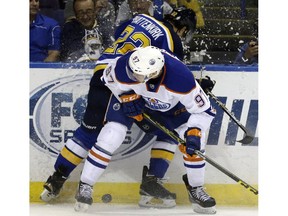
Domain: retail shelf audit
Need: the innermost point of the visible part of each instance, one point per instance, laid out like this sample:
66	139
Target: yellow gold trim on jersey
100	67
68	155
162	154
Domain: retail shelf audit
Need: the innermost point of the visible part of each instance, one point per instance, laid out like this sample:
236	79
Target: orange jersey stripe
99	156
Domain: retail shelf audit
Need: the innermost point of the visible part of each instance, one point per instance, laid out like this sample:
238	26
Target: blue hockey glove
133	105
206	83
193	140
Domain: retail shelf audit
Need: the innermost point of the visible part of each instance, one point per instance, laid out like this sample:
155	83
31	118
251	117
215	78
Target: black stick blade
247	139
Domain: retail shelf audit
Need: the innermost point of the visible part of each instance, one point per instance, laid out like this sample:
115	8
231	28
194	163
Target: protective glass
187	36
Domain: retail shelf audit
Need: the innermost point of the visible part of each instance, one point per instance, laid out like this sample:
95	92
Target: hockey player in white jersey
142	30
152	81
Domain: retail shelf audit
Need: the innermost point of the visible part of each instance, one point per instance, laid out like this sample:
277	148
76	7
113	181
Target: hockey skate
153	194
83	197
52	187
201	202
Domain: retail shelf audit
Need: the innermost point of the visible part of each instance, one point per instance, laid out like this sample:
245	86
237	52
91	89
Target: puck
106	198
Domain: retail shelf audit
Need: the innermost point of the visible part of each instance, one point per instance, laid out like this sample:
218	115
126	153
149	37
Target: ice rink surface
98	209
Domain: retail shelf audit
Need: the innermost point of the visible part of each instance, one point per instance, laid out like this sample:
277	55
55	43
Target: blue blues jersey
141	31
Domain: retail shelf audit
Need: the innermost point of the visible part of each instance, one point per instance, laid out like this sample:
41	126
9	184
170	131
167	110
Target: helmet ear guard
145	63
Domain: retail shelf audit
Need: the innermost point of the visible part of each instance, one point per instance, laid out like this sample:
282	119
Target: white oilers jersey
175	85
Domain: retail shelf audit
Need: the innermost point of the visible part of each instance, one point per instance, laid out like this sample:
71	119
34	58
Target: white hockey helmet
145	63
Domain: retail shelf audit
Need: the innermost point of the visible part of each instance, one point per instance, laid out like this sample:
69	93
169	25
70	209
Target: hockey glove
193	140
133	105
206	83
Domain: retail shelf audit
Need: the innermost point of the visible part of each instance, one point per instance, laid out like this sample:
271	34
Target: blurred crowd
80	30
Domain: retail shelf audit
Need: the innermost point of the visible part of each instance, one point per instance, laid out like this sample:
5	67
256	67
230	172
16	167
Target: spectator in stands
105	16
248	53
44	36
81	38
130	8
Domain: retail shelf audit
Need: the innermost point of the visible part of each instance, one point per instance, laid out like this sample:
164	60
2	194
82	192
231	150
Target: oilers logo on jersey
116	106
156	104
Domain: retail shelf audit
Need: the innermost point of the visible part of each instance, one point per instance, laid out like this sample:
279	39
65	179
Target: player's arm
132	103
109	79
54	46
198	104
202	114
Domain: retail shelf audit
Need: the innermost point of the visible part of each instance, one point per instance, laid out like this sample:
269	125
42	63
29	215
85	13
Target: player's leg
110	138
162	153
201	201
76	148
152	190
153	193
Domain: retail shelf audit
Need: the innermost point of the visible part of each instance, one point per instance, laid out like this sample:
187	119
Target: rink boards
58	99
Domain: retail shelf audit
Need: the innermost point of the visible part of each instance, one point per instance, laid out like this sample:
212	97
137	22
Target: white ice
99	209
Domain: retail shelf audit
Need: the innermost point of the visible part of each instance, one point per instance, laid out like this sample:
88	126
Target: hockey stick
200	154
248	137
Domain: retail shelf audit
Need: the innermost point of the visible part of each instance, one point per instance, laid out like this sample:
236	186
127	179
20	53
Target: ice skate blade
151	202
81	207
201	210
47	196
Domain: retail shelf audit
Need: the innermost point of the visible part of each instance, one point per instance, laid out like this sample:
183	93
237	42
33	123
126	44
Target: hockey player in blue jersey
153	81
142	30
